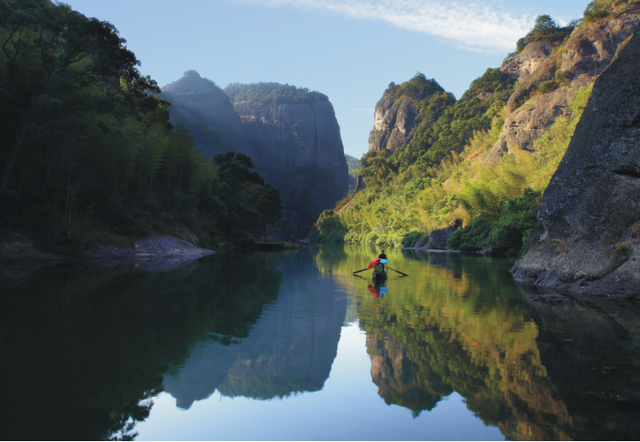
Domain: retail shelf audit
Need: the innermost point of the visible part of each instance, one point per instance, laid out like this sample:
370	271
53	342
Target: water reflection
84	348
538	372
290	349
591	350
377	289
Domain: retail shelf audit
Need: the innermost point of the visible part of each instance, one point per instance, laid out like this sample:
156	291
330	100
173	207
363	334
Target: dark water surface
292	346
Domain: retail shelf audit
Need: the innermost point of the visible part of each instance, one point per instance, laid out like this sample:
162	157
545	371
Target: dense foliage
354	167
133	328
442	175
545	29
272	93
598	9
86	149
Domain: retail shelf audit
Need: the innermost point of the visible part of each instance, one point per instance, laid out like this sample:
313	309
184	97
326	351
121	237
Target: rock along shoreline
16	248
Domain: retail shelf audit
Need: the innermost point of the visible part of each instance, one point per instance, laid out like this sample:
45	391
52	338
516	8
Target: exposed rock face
20	248
586	238
586	54
296	147
289	136
201	101
438	238
528	61
394	119
183	245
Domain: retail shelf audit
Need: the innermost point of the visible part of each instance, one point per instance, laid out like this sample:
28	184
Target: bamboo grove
87	152
443	174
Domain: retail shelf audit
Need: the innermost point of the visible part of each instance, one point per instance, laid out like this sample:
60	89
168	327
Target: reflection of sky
347	408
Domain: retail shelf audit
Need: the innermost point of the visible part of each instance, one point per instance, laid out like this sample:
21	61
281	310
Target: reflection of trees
393	371
83	349
461	325
591	350
290	350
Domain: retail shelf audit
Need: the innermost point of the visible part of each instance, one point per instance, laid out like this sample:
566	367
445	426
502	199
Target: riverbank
19	248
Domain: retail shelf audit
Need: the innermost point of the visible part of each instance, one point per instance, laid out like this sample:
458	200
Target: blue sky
349	50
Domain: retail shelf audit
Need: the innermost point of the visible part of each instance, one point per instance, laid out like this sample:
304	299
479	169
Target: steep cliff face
287	137
586	237
208	113
293	138
549	80
394	119
528	61
396	112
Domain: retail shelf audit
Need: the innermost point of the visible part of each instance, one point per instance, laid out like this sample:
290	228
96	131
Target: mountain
586	236
486	159
396	112
207	112
549	80
290	133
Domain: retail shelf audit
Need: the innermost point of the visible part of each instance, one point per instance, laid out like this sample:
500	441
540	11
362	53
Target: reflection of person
378	291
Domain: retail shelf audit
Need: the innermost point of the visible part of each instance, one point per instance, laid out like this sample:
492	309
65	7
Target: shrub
507	231
410	239
547	86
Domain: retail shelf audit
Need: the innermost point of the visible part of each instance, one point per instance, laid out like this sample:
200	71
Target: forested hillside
87	152
273	93
462	161
354	167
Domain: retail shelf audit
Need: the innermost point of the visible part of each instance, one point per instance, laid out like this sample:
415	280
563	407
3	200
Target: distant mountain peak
192	83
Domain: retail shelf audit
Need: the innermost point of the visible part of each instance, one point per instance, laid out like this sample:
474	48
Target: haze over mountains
291	134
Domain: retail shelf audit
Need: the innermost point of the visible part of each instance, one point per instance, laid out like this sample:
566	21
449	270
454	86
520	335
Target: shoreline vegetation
88	156
449	171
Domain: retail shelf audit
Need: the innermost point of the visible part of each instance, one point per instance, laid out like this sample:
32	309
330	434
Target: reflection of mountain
591	349
536	371
393	371
81	347
463	326
290	349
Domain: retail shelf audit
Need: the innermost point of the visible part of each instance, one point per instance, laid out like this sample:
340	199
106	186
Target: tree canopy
87	151
273	93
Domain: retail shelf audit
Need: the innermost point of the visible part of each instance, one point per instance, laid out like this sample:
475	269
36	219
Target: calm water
292	346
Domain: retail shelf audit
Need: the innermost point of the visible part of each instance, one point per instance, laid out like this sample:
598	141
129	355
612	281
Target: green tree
50	56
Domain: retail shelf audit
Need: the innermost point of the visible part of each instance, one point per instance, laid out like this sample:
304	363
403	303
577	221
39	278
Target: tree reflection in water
538	372
84	348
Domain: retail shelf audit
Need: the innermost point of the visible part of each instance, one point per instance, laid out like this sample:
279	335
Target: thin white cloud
476	26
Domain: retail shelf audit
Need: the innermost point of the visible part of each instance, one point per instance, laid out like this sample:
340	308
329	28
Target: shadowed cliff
585	239
290	133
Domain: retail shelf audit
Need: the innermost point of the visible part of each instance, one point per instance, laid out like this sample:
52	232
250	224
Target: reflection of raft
379	275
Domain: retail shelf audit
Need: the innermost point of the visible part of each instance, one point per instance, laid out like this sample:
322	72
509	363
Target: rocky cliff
396	112
586	236
550	77
208	114
296	139
294	142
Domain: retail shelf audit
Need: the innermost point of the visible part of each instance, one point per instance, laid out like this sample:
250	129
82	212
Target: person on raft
382	256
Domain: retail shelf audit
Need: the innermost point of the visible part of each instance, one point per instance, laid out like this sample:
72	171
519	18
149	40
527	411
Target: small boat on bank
379	275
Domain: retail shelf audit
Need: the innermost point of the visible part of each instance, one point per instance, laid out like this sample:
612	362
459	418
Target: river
293	346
